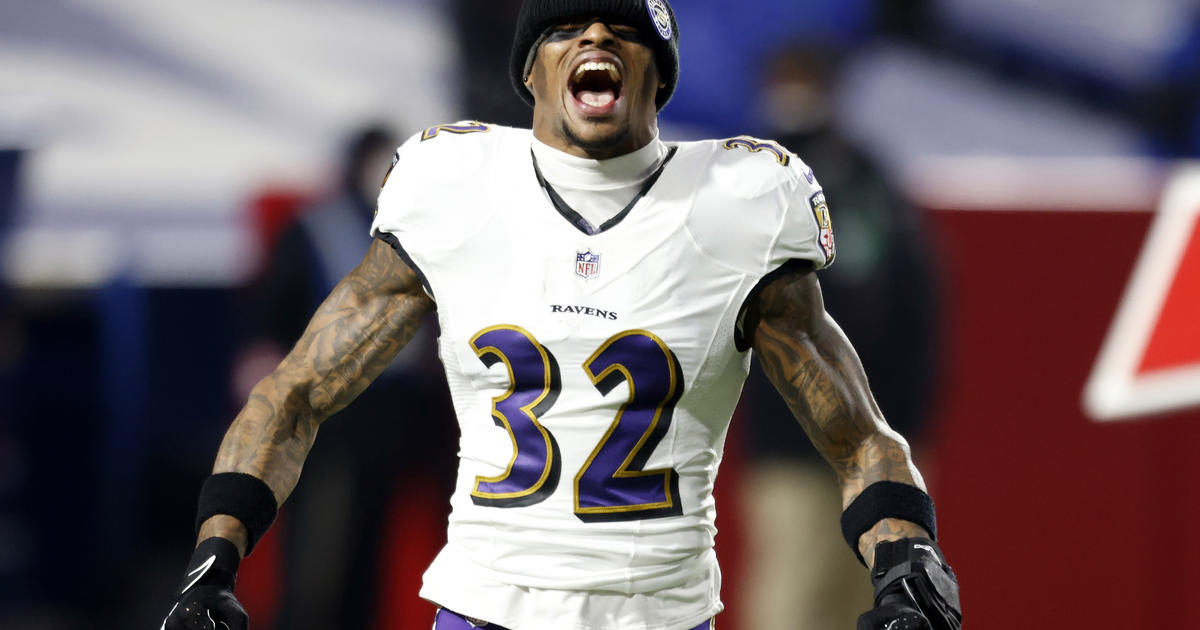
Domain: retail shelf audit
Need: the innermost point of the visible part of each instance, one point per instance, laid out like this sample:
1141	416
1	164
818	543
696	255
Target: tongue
597	99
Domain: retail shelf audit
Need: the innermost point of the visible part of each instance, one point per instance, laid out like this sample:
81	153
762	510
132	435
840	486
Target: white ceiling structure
150	124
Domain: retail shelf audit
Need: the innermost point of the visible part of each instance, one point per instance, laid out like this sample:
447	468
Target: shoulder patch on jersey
820	211
756	145
460	128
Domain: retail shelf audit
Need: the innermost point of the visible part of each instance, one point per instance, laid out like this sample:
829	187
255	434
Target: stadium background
146	147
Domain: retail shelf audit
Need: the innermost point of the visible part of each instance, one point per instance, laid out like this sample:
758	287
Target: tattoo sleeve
366	320
809	360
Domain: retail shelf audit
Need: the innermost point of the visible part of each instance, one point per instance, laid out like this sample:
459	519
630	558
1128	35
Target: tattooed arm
370	315
809	360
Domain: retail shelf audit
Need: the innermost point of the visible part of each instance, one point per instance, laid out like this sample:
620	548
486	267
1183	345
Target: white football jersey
593	374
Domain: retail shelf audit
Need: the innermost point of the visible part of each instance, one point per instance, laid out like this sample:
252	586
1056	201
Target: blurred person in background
484	27
337	519
597	292
881	292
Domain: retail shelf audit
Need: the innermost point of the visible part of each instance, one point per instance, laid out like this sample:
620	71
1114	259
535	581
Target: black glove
914	588
206	600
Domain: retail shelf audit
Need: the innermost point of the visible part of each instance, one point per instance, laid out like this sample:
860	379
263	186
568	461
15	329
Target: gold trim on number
527	409
622	472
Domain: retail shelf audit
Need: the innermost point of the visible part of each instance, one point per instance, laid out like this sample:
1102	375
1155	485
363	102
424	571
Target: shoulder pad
446	153
435	179
750	167
764	209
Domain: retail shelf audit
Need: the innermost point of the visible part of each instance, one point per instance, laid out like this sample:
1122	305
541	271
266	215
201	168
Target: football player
598	293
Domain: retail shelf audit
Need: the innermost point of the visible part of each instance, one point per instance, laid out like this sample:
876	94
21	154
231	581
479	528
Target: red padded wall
1053	520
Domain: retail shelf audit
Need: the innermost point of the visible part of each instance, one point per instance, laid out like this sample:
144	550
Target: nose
597	33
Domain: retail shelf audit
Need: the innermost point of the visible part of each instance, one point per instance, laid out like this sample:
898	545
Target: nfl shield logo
587	264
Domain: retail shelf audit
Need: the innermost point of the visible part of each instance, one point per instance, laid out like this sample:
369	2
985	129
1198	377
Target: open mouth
596	84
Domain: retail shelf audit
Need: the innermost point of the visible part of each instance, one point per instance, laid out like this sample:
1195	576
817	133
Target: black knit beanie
654	18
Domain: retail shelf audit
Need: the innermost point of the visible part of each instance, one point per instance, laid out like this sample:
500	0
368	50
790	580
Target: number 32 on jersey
611	485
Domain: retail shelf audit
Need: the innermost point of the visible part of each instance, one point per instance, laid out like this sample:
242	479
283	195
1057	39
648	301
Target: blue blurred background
151	154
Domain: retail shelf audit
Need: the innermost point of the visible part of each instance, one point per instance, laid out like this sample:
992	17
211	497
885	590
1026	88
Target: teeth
599	66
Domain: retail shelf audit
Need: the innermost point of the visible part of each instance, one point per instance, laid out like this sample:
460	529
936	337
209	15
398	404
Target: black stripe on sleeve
744	329
390	239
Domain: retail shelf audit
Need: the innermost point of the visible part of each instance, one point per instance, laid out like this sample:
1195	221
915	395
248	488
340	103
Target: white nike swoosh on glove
202	569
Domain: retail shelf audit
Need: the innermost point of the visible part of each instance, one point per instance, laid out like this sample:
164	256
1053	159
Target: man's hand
206	600
914	588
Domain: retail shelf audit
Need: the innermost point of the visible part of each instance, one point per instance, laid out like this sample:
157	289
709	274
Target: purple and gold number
533	471
465	128
612	486
755	145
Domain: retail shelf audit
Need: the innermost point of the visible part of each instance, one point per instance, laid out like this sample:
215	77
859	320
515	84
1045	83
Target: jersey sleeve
396	199
805	234
429	169
759	210
398	208
806	230
429	176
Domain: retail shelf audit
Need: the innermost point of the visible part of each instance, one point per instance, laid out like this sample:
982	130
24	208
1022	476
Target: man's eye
570	30
626	32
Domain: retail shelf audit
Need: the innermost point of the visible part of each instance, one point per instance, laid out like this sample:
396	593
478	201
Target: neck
557	135
570	171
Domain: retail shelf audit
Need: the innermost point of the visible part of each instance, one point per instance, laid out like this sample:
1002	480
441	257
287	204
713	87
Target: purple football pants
450	620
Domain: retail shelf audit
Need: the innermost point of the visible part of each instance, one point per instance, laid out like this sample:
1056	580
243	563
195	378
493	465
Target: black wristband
244	497
214	563
887	499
